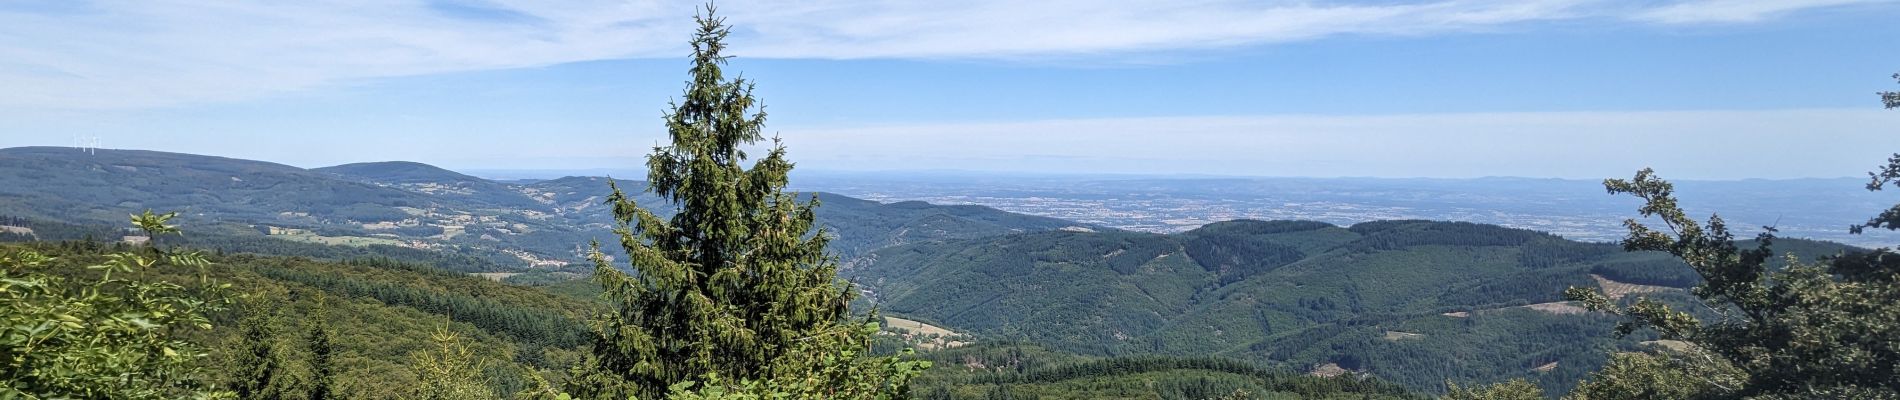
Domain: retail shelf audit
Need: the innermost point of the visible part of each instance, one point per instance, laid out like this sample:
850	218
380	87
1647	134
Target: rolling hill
1414	302
539	225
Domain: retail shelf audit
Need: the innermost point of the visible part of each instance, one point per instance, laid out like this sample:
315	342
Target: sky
1698	89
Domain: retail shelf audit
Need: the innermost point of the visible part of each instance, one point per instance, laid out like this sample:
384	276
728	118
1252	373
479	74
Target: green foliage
1008	370
113	333
735	286
1795	331
1227	289
1880	178
1236	257
1649	271
322	353
1553	252
843	373
525	323
1515	389
1668	375
1401	234
449	370
371	333
262	376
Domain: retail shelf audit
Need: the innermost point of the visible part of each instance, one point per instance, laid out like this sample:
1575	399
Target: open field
339	240
1395	336
926	336
495	276
1559	308
1616	290
916	327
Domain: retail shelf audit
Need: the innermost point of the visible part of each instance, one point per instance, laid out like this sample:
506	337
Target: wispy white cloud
1733	11
110	54
1007	29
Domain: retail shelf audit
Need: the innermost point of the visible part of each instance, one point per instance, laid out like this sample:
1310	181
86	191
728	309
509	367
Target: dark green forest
1414	302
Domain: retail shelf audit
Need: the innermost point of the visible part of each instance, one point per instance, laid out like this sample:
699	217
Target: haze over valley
1574	209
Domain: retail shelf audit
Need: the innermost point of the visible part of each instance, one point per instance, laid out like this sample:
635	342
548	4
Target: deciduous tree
109	333
1812	328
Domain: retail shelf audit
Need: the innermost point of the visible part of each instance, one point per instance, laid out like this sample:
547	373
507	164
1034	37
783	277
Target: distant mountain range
1819	208
520	226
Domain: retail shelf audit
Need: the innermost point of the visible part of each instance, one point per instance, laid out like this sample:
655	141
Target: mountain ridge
522	226
1389	298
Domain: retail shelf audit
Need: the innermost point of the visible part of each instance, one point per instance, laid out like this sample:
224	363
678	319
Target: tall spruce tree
322	352
257	361
736	288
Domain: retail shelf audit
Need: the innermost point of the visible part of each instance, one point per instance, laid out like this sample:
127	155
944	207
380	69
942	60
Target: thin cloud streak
1736	11
141	54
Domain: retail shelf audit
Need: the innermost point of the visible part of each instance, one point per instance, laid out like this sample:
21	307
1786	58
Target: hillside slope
542	225
379	315
1415	302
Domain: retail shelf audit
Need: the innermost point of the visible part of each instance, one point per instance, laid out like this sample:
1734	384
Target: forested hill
1416	302
380	315
383	206
398	172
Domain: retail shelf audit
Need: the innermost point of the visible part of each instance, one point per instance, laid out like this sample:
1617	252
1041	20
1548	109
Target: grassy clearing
1616	290
1395	336
924	336
1559	308
1676	345
495	276
339	240
916	327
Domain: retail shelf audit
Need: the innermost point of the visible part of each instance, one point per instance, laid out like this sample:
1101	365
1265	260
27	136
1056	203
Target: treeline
379	315
1481	347
1236	257
1257	227
1394	235
53	231
1517	288
451	261
1118	251
1658	271
1019	371
538	326
231	239
1554	252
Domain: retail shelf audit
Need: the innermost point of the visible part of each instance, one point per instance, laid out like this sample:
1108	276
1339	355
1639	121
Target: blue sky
1703	89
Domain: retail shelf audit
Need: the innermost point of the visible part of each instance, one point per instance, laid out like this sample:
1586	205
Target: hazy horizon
1698	89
